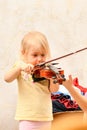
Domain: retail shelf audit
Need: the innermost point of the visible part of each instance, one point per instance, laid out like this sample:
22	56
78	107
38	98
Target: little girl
34	106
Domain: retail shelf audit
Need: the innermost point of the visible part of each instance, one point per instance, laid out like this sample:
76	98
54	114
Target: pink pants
34	125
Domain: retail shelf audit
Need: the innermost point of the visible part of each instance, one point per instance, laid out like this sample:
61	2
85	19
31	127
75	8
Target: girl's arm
12	74
53	87
16	71
80	99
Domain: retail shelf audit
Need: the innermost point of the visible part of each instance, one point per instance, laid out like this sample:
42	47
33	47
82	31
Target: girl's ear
22	52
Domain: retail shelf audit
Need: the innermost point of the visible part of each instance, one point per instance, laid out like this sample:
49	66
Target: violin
49	71
45	71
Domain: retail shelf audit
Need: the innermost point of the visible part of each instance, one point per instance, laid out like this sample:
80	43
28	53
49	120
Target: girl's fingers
70	78
28	68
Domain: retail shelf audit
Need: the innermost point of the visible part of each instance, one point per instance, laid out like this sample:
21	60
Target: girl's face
35	55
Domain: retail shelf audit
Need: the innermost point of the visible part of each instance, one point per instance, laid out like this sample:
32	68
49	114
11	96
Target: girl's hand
69	82
28	68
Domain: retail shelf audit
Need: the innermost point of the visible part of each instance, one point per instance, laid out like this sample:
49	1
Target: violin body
41	74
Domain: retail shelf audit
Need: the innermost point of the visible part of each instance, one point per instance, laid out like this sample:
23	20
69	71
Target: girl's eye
35	55
43	55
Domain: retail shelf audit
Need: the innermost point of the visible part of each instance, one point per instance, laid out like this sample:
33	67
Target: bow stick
42	64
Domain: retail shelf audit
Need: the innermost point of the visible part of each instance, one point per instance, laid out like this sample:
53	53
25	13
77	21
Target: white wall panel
64	22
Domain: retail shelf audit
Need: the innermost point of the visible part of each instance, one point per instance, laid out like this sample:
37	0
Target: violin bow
61	57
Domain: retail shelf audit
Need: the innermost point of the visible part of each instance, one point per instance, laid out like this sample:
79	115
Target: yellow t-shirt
34	99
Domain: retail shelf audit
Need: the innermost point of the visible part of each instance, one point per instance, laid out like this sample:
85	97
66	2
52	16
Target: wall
65	25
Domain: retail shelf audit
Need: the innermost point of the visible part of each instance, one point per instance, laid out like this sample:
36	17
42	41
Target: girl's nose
39	58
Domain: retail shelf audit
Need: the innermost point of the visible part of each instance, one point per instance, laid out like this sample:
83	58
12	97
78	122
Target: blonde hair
35	38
